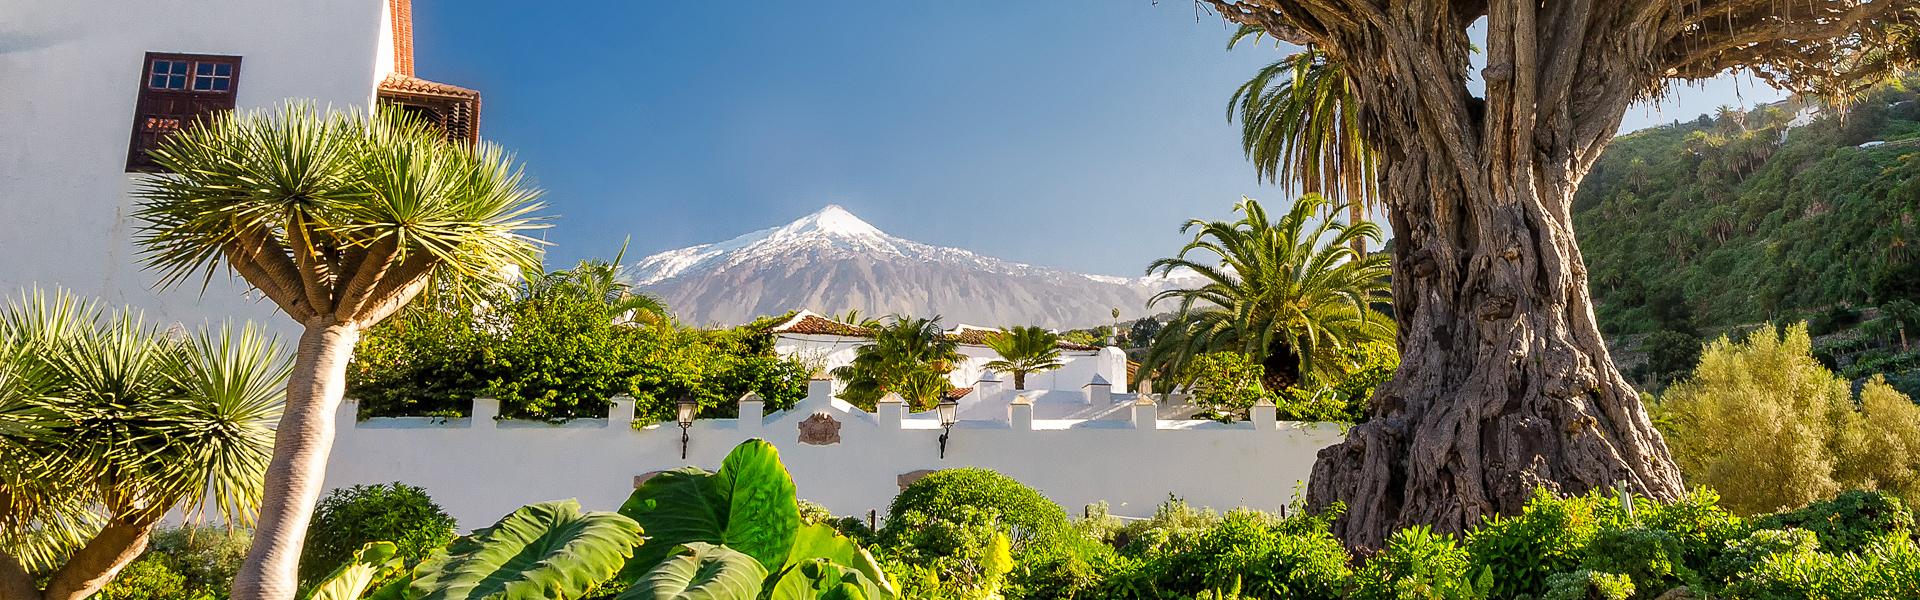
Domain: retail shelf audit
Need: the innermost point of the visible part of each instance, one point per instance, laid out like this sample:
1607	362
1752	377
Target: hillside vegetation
1777	214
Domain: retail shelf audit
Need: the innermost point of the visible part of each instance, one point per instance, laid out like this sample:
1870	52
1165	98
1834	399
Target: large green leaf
677	508
763	512
748	506
701	571
820	541
351	580
821	579
548	550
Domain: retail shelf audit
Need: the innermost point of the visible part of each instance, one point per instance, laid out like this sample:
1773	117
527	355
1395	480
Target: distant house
1083	387
91	86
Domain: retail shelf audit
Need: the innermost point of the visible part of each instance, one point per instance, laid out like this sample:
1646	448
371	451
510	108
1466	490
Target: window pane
168	75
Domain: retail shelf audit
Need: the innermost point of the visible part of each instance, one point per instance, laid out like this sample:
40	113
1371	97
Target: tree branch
15	581
94	565
278	285
394	290
313	274
371	268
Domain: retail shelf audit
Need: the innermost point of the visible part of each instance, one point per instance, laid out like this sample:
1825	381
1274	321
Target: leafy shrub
1698	523
1886	568
1549	536
208	557
1263	556
1770	427
1022	511
1743	556
147	579
557	357
1588	585
1847	522
1671	355
1418	564
1651	558
1226	384
350	518
956	554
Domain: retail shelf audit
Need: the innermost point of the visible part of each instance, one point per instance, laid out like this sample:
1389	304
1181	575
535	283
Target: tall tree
908	356
1505	384
106	424
1023	350
1299	126
340	219
1290	293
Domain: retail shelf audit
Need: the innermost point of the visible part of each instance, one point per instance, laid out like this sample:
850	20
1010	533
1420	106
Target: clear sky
1075	133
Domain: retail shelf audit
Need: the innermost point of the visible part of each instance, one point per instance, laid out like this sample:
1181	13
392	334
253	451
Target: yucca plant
340	219
107	423
1024	350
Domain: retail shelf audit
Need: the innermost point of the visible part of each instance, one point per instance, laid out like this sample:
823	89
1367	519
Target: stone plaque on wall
820	430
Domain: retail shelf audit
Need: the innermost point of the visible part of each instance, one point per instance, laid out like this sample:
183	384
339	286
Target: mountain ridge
831	261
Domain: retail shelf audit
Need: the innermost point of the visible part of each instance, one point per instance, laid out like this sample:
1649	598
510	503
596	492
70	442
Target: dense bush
182	563
1848	522
149	578
349	518
557	357
1226	384
1770	427
1024	512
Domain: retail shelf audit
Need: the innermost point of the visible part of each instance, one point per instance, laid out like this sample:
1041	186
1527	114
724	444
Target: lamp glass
686	408
949	412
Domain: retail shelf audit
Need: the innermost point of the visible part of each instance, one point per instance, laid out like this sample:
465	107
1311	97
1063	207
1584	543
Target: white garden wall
481	468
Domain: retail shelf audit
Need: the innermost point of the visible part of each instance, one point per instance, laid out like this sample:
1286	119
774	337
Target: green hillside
1738	218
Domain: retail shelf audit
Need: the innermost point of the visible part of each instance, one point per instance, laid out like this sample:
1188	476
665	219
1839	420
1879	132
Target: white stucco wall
1077	369
480	469
69	72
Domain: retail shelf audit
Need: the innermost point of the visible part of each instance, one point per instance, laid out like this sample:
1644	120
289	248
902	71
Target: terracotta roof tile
958	393
408	84
812	324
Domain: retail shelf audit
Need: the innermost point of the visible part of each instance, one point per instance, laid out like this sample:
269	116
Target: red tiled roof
958	393
812	324
408	84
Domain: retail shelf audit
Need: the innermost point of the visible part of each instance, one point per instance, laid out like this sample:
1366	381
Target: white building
1089	382
87	85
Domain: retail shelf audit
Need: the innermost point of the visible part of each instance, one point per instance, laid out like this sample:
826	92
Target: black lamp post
685	410
949	410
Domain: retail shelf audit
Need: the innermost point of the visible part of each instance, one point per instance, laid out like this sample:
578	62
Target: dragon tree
1505	385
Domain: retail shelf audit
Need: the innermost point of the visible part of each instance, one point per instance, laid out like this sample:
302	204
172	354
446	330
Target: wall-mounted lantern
684	411
949	410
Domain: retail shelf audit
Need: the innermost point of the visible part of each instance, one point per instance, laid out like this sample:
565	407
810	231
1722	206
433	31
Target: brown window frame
159	111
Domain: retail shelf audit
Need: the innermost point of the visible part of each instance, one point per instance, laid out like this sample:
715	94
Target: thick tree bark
1505	385
97	563
298	469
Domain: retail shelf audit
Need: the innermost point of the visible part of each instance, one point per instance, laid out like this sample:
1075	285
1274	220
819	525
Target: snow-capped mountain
831	262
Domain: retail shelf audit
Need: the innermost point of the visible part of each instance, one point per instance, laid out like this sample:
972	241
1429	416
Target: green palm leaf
549	550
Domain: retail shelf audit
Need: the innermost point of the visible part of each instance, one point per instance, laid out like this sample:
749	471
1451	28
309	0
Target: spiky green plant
340	219
1291	292
107	423
1023	350
908	356
1300	124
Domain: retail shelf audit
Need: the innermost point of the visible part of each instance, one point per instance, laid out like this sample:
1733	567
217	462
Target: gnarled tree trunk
1505	385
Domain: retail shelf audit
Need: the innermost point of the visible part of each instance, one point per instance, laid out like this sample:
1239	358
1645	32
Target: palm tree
910	357
1291	292
106	424
1024	350
599	280
340	219
1299	123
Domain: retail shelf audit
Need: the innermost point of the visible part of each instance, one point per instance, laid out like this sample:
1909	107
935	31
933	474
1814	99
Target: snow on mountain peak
833	220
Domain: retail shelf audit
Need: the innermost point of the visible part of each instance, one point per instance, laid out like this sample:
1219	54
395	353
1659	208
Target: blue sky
1076	134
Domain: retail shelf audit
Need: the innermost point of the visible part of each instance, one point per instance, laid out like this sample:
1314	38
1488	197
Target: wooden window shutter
167	103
